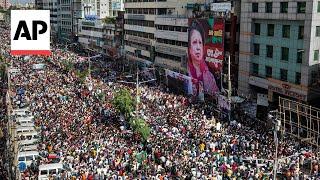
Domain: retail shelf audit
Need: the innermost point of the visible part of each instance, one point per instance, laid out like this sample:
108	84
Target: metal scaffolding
300	120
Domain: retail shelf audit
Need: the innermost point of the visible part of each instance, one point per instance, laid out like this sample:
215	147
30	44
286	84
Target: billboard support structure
300	121
229	86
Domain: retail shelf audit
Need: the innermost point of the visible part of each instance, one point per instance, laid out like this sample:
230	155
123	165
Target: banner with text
178	83
206	53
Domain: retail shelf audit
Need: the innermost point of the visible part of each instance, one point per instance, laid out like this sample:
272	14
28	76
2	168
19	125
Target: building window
301	32
255	7
283	7
269	51
316	55
268	7
318	31
301	7
286	31
256	28
318	7
284	53
268	71
255	69
300	55
283	74
298	78
270	29
256	49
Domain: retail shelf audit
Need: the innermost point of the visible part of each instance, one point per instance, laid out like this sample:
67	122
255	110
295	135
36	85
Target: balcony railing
170	49
141	40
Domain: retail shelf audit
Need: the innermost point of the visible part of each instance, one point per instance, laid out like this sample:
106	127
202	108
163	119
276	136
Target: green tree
141	127
82	75
68	66
123	102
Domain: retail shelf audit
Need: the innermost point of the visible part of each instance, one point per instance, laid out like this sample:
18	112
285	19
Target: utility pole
275	167
229	86
277	125
137	92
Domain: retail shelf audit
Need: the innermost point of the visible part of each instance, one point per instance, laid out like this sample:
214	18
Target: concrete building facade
102	8
279	49
5	4
52	5
64	15
150	35
98	36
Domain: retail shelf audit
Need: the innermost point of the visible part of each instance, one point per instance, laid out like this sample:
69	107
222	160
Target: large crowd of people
4	135
187	141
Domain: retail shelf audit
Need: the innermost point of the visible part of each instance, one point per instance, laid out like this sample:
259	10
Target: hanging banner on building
206	53
220	7
179	83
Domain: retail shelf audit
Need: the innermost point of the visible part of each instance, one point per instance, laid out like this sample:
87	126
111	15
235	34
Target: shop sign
285	90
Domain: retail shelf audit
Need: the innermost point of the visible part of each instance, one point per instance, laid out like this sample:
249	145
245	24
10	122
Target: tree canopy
82	75
109	20
123	102
68	66
140	126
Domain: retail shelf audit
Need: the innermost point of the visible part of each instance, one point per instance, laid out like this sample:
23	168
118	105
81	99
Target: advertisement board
206	53
220	7
179	83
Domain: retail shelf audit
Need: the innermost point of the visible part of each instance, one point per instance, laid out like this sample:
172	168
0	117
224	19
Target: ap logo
30	32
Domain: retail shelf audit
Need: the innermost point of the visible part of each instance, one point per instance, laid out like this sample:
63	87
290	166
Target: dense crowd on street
3	120
187	141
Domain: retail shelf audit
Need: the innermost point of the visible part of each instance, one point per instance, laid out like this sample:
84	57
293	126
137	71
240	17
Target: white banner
38	66
220	7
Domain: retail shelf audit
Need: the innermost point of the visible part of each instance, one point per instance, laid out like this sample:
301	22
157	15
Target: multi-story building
98	36
52	6
279	49
171	44
102	8
147	36
64	15
99	29
5	4
65	20
91	34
